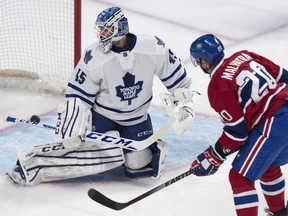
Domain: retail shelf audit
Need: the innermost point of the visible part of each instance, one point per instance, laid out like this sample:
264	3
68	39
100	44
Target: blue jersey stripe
177	81
171	75
81	90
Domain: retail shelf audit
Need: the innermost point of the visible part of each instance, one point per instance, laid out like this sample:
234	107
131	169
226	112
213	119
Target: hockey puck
35	119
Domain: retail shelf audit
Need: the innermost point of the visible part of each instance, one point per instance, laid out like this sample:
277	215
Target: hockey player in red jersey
250	94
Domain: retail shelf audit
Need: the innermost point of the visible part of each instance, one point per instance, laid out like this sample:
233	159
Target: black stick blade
103	200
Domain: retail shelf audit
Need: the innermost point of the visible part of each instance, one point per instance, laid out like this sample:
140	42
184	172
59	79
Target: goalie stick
103	138
104	200
27	122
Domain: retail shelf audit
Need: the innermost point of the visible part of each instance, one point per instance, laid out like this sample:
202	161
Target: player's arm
84	82
233	135
284	76
179	102
169	67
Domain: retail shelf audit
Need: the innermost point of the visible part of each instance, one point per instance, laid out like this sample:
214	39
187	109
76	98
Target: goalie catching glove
180	106
74	119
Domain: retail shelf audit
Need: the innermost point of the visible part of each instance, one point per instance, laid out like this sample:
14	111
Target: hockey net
40	43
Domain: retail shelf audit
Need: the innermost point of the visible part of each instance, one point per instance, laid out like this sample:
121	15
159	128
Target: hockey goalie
110	91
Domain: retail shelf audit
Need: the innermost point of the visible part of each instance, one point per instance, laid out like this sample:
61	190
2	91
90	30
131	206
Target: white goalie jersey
118	84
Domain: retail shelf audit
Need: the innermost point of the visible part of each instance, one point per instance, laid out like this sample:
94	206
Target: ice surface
259	26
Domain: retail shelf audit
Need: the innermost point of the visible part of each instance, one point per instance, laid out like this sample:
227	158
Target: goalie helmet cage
40	43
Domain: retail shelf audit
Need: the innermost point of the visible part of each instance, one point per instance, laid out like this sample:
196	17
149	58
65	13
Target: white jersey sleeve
84	83
170	69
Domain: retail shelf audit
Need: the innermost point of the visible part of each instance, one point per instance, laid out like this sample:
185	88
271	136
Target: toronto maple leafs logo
88	56
172	57
159	41
130	90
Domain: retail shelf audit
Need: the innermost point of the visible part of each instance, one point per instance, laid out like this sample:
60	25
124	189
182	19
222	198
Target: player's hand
207	163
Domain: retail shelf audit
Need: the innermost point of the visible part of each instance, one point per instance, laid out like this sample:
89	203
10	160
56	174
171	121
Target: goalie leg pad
136	163
138	159
160	150
90	158
155	167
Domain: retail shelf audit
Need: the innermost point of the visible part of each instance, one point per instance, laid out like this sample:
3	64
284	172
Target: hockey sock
273	187
244	193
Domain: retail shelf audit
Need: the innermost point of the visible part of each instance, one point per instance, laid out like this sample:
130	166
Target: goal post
77	30
40	43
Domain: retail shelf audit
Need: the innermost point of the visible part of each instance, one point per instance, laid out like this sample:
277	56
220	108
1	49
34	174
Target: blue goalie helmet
111	25
207	47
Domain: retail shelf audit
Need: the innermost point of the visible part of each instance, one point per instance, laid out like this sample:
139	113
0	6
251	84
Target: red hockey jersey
244	90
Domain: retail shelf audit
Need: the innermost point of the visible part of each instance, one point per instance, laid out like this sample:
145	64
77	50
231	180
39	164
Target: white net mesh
36	43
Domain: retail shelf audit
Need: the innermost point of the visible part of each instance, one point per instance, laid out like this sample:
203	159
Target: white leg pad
159	155
138	159
53	162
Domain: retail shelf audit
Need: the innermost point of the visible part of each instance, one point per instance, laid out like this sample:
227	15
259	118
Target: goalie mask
111	25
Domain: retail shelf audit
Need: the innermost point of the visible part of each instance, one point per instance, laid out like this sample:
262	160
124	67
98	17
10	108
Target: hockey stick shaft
104	200
125	142
23	121
103	138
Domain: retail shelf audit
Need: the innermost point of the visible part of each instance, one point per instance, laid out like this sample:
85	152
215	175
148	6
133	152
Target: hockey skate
17	175
284	212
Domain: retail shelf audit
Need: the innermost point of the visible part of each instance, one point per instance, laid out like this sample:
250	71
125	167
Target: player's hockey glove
207	163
